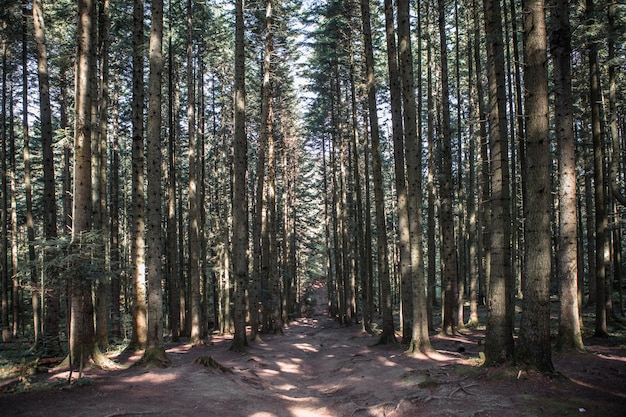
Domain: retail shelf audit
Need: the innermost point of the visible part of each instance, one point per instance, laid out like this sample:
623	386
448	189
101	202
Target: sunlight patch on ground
179	349
306	347
285	387
153	377
597	388
435	356
386	362
309	412
290	368
263	414
611	357
269	372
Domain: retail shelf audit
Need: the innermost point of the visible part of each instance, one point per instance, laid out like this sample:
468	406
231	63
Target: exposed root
154	357
375	406
210	362
198	343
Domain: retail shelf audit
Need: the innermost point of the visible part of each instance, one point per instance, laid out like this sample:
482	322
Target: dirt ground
320	368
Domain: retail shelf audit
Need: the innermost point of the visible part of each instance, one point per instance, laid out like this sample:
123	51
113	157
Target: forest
178	172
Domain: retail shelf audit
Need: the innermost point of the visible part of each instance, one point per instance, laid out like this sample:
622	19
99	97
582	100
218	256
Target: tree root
210	362
154	357
372	407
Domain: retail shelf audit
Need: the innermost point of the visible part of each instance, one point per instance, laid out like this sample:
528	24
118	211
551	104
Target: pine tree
240	199
534	348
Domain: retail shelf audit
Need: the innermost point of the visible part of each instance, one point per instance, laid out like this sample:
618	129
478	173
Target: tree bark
83	347
30	222
534	347
194	189
388	329
51	344
601	220
374	130
570	336
240	198
173	267
114	219
139	308
448	243
4	273
420	341
155	351
613	69
103	284
499	336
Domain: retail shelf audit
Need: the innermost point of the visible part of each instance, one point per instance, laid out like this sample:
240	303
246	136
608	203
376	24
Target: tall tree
388	334
615	38
114	218
601	220
269	255
28	191
499	337
413	144
374	129
194	189
173	267
4	273
570	336
395	92
449	254
83	347
239	196
534	347
139	308
155	351
52	295
100	116
430	181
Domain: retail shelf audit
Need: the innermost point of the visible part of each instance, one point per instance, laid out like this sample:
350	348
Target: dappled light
329	208
320	368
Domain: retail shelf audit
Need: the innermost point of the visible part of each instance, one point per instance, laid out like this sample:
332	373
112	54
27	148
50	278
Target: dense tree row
195	178
492	210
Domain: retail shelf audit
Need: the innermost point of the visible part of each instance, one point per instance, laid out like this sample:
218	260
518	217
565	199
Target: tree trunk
30	222
4	272
290	178
420	341
472	211
431	184
534	347
66	195
173	267
51	344
374	130
388	328
103	284
484	187
257	241
83	347
14	287
602	241
194	189
155	351
570	336
114	225
240	174
139	308
404	245
330	277
499	337
448	243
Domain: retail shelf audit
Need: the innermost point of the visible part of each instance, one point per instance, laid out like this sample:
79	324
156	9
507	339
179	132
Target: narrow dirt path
320	368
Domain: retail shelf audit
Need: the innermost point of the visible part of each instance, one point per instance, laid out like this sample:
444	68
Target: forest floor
320	368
